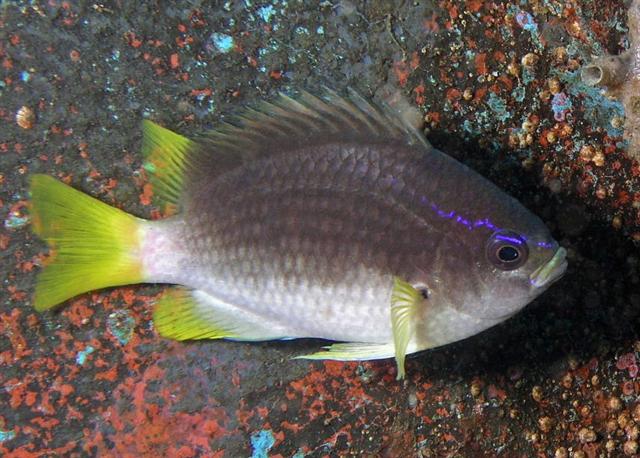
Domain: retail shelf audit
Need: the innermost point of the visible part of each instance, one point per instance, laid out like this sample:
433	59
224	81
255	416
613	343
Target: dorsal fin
284	124
166	156
306	119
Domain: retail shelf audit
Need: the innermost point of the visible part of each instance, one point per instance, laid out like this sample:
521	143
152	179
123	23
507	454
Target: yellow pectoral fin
405	300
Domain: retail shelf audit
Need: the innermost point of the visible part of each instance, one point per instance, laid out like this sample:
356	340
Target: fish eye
507	250
508	253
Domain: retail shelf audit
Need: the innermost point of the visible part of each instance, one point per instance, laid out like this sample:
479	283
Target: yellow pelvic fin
92	245
405	300
166	159
177	316
183	314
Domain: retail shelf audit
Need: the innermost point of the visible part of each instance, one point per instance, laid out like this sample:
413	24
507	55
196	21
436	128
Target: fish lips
551	271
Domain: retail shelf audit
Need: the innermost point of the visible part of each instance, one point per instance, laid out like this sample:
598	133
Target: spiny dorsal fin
291	122
284	124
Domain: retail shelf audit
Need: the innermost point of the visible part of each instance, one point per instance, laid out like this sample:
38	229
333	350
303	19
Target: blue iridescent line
479	223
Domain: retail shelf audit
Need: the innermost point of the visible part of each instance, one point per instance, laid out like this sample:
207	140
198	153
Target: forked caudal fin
92	244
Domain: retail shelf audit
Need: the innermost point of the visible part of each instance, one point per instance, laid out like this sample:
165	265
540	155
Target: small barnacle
513	69
536	393
532	437
476	389
528	139
584	411
513	140
586	153
528	163
617	122
561	452
528	126
574	28
601	192
545	424
598	158
615	403
529	60
467	94
430	120
573	362
548	171
560	55
623	420
554	85
611	426
566	130
25	117
545	95
618	75
508	18
630	448
551	136
586	435
573	64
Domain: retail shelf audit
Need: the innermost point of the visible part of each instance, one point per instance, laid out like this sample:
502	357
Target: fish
310	216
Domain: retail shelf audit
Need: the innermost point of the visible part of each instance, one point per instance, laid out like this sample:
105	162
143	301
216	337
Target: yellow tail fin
92	244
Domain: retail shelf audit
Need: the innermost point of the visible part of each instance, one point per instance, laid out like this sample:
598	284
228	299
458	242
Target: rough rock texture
620	76
499	84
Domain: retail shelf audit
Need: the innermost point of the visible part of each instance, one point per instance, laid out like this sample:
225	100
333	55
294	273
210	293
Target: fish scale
321	217
323	266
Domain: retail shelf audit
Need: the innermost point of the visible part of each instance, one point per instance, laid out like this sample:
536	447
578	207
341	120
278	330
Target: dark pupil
508	254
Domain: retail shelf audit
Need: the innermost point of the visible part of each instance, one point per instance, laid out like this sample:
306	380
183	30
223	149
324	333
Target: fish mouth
548	273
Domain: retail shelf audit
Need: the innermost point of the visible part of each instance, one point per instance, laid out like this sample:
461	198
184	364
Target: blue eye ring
506	250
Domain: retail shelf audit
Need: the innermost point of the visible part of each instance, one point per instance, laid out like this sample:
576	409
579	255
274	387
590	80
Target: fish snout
551	271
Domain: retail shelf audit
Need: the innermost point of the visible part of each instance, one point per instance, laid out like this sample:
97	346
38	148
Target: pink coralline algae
628	362
561	105
620	77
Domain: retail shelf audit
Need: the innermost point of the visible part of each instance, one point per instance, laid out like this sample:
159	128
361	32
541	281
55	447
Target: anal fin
183	314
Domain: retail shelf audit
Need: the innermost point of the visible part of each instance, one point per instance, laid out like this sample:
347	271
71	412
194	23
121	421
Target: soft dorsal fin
284	124
166	156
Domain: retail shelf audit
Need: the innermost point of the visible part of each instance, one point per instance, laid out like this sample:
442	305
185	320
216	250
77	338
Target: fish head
511	267
487	272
